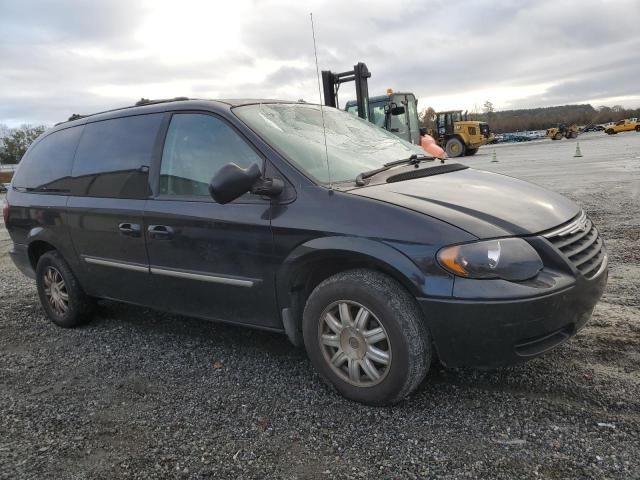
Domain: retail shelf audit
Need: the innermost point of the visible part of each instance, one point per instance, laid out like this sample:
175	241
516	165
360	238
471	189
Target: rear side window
47	165
114	155
196	147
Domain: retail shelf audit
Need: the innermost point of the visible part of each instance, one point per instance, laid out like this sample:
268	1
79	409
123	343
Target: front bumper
494	333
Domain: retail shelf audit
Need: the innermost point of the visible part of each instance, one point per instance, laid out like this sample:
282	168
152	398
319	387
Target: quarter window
47	165
196	147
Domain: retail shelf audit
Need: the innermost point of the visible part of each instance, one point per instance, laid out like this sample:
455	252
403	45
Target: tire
392	313
573	135
609	131
637	128
471	151
455	148
557	136
71	312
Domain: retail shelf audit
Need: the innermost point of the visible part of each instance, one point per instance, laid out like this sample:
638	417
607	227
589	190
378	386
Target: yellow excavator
458	135
562	131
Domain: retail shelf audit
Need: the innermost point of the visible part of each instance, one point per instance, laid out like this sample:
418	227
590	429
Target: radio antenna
324	129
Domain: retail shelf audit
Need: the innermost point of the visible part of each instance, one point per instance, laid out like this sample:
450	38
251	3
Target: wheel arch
36	249
314	261
41	240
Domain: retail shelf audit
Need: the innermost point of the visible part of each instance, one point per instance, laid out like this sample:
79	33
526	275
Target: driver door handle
130	229
160	232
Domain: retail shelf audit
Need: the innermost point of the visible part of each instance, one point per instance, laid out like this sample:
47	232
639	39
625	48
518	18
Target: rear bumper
20	256
494	333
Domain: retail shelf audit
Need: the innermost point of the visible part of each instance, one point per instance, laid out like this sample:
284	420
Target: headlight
506	258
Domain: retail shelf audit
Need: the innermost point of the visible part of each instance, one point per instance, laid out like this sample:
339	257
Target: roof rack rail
139	103
146	101
75	116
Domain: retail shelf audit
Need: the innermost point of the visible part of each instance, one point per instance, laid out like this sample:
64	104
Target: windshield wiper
414	159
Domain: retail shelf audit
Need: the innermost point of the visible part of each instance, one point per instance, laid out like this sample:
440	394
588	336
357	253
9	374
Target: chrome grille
580	242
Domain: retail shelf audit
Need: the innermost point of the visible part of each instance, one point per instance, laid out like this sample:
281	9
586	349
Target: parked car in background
310	222
626	125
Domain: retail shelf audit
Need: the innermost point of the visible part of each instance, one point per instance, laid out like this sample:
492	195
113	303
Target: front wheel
558	136
366	337
637	128
455	148
609	132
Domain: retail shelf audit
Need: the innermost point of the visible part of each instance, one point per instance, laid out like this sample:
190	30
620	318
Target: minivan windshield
353	144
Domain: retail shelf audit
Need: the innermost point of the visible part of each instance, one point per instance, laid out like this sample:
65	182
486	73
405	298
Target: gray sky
63	57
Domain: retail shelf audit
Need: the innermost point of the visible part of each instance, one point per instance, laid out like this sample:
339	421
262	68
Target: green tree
15	144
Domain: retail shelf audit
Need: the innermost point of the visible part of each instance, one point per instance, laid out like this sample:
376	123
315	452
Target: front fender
337	248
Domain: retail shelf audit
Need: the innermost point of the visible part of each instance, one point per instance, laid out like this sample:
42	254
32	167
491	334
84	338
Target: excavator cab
445	122
395	112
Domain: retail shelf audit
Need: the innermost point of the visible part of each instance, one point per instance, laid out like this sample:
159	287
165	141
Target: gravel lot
142	394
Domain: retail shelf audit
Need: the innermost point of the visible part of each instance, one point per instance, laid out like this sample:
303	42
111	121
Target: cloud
58	58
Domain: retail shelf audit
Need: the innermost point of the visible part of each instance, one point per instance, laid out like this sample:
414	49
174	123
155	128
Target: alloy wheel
56	291
354	343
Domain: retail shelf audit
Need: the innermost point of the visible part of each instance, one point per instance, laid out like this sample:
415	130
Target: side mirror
231	181
393	109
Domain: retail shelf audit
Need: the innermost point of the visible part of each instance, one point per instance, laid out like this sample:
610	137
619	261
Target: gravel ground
142	394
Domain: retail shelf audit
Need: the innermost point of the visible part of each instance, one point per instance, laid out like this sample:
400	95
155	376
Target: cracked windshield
353	145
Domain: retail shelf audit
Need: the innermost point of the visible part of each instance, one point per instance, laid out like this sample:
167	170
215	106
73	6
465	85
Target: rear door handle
130	229
160	232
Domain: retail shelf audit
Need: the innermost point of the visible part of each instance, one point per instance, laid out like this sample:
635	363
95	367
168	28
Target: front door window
196	147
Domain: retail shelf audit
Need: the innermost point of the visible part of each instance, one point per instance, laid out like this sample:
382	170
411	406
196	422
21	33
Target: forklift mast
331	83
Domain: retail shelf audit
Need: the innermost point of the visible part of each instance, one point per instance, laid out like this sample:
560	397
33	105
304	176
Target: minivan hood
482	203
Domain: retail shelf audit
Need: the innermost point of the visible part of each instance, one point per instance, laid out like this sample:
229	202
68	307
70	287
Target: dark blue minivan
308	221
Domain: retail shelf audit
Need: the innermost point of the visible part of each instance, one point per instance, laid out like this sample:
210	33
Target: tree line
14	142
541	118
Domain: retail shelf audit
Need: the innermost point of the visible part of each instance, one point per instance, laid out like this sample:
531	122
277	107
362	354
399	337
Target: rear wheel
455	147
637	128
61	295
366	337
471	151
608	131
573	135
558	136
